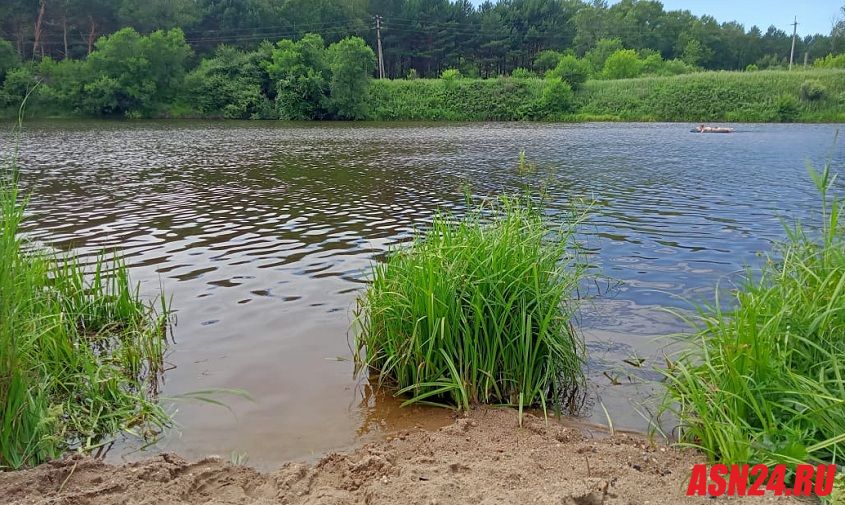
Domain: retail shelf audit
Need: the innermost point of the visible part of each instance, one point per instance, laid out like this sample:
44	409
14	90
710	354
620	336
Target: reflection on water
263	233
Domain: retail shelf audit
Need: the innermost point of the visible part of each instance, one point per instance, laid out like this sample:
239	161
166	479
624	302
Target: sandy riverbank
483	458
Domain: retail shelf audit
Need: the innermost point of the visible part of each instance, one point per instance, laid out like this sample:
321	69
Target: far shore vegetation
544	60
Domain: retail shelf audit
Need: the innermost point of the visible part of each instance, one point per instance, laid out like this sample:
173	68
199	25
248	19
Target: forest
292	59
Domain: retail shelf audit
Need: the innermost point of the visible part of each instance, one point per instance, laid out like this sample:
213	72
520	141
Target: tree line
423	36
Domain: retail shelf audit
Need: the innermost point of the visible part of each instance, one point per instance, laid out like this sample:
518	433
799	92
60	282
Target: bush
598	55
831	61
787	108
522	73
477	310
451	74
765	379
751	67
557	98
812	90
546	60
573	70
676	67
623	64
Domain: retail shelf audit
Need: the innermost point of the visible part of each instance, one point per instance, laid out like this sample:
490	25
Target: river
262	233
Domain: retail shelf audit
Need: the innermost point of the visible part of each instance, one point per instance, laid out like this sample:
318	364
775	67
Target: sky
813	15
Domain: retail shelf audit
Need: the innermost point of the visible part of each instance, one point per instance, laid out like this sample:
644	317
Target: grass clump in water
477	310
80	353
765	381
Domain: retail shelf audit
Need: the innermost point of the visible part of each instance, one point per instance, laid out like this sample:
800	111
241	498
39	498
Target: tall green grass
764	96
765	379
477	310
80	353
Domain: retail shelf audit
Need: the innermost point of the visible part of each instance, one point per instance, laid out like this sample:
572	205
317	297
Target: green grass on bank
80	353
477	310
764	96
764	381
458	100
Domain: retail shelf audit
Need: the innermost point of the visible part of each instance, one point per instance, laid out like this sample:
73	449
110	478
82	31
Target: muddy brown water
262	233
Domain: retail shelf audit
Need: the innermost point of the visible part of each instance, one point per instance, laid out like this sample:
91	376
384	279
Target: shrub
676	67
787	108
623	64
812	90
764	381
573	70
522	73
477	310
557	98
751	67
653	64
831	61
451	74
412	74
546	60
598	55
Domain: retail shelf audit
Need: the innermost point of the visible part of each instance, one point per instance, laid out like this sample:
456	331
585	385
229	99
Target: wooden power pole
378	46
794	33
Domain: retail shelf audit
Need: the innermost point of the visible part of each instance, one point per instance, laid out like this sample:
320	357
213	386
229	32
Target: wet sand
484	457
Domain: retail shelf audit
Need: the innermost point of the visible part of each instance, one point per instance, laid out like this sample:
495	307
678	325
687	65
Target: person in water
710	129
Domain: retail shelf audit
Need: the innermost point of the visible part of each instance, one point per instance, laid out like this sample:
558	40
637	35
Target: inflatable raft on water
711	129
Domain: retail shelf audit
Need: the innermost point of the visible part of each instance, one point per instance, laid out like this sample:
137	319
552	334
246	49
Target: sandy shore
483	458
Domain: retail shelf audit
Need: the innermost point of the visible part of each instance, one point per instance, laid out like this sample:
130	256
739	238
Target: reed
764	381
478	310
80	352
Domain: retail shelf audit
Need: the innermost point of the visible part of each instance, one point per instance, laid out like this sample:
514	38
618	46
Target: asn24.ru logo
757	480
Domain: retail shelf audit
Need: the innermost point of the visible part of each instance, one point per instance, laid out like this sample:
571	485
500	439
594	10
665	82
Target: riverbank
770	96
483	458
750	97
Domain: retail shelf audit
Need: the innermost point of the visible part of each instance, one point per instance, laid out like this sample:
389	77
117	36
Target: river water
262	233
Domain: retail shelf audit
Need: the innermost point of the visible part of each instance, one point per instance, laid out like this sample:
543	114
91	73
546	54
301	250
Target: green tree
695	53
134	73
546	60
230	83
352	64
9	58
602	51
147	15
574	71
623	64
302	74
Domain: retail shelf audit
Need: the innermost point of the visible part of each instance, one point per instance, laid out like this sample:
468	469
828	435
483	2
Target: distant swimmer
712	129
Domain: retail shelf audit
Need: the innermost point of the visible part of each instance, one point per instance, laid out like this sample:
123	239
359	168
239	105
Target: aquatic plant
764	381
477	310
80	353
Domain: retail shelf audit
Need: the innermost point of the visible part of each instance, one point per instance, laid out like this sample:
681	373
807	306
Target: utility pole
794	33
378	45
